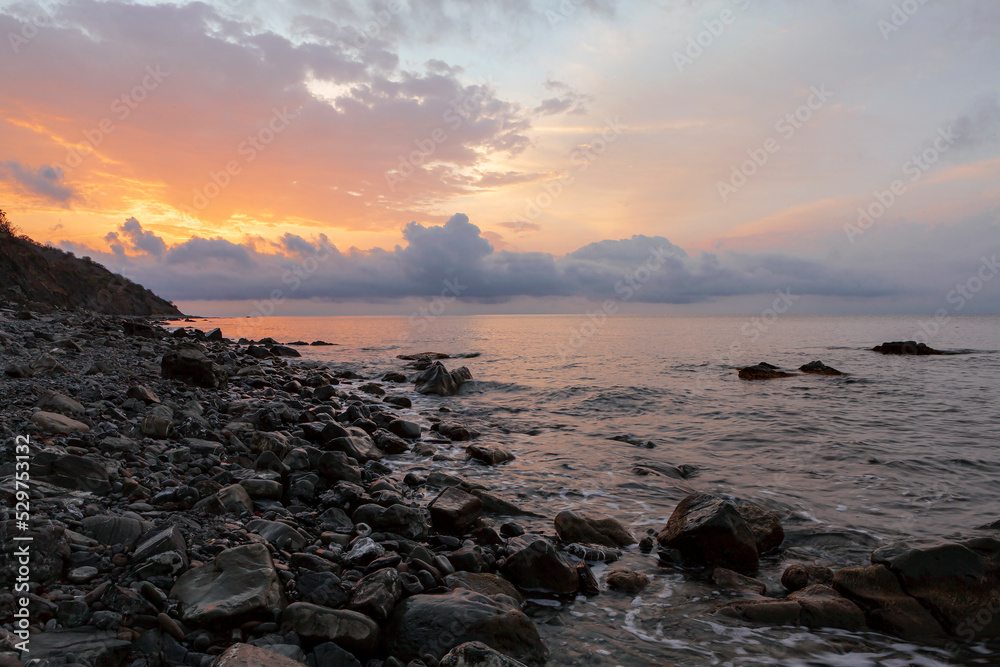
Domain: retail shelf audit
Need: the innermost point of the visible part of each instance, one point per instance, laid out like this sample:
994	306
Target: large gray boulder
240	584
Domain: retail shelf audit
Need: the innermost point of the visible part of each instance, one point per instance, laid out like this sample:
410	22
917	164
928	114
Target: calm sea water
898	448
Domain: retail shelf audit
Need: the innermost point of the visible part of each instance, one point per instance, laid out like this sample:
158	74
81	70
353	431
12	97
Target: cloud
647	269
45	181
131	236
980	125
567	101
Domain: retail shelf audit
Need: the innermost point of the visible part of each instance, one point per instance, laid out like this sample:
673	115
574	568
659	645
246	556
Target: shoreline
180	463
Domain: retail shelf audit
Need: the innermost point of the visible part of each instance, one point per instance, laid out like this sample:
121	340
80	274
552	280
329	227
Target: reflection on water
898	447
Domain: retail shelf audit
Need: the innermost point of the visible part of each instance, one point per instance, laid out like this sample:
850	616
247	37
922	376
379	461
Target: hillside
40	276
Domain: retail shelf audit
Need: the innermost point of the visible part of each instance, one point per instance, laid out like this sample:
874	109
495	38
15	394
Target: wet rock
240	583
955	581
338	466
97	647
247	655
361	449
53	422
477	654
591	528
887	607
736	581
398	401
349	629
708	530
819	368
232	499
284	351
268	441
799	575
394	376
376	594
192	367
765	526
455	510
762	371
490	454
534	564
816	606
906	347
60	403
435	624
628	581
405	429
329	654
142	393
437	380
157	427
263	489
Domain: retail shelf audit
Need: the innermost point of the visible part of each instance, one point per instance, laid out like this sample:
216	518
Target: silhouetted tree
6	226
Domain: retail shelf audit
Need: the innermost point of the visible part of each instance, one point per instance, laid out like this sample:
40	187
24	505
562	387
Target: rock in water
887	607
763	371
437	380
628	581
592	529
192	367
956	581
819	368
816	606
435	624
455	510
906	347
490	454
708	530
240	584
765	526
534	564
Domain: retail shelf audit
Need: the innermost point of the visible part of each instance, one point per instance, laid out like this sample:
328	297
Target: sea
627	414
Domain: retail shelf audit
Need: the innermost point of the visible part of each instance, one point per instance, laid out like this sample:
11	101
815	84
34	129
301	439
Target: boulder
408	522
628	581
232	499
490	454
279	534
321	588
112	530
534	564
192	367
708	530
53	422
405	429
435	624
906	347
455	510
97	647
142	393
799	575
436	379
762	371
50	549
269	441
955	581
484	584
736	581
240	584
592	529
338	466
887	607
819	368
349	629
361	449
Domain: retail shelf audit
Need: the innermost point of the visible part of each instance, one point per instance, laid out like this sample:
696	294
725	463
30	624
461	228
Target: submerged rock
477	654
816	606
763	371
819	368
906	347
887	607
534	564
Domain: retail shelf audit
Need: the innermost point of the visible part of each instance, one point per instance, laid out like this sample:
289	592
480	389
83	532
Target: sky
311	157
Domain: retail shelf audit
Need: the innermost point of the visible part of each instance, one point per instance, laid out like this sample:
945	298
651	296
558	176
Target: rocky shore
201	501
